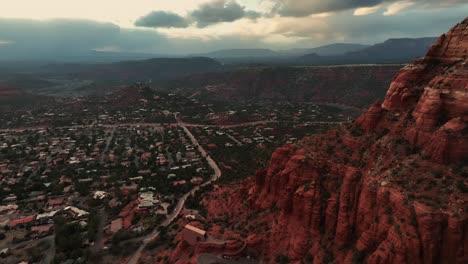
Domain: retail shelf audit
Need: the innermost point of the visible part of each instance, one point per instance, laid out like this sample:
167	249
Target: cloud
372	28
363	11
219	11
6	42
397	7
162	19
302	8
71	39
61	38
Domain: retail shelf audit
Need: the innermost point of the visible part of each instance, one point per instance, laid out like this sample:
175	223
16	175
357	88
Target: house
116	225
21	222
99	195
196	181
8	208
190	217
4	252
146	156
75	212
10	198
137	178
54	203
193	235
177	183
147	200
42	230
45	217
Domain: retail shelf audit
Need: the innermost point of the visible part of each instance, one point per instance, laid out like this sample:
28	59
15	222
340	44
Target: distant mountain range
327	50
34	75
391	51
240	53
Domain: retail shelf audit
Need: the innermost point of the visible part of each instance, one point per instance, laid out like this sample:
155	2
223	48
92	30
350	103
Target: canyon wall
390	188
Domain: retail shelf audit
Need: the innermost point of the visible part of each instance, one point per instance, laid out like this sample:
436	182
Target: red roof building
116	225
22	221
55	202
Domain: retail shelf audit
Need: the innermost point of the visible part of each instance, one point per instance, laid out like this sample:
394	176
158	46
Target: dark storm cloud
56	39
300	8
161	19
57	34
70	40
221	11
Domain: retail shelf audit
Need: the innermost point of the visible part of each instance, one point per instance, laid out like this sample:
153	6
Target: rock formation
390	188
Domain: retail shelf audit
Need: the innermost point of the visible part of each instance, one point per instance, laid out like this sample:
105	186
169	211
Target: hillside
353	85
14	98
130	71
389	188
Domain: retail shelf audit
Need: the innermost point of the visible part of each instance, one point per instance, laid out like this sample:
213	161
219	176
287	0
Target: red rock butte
390	188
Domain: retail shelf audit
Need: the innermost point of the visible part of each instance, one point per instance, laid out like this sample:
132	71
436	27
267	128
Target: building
148	200
21	222
116	225
99	195
46	217
55	203
177	183
42	230
75	212
197	180
193	235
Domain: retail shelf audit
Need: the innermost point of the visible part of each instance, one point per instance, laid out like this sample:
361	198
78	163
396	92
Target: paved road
108	141
262	122
213	259
98	244
180	204
234	139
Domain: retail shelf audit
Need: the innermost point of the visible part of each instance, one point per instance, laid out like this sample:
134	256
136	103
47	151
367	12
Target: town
88	178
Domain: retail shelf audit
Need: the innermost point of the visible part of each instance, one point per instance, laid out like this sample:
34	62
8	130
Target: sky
58	27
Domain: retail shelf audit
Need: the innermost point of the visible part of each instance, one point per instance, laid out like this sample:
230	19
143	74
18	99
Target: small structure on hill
193	235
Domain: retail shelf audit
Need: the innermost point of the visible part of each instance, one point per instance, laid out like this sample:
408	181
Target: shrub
437	174
282	259
358	256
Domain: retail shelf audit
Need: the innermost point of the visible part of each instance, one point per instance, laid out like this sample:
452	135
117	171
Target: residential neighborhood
109	171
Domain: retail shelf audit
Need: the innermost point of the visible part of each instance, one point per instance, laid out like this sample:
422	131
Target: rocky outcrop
390	188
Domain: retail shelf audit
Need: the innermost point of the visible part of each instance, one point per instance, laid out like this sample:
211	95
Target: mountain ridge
389	188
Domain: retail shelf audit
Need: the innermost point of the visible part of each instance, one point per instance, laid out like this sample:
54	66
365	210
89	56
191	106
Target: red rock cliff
390	188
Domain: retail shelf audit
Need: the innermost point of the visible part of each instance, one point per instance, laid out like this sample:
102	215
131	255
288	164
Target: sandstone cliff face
390	188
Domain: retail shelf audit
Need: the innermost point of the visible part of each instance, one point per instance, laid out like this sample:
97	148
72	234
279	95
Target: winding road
180	204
